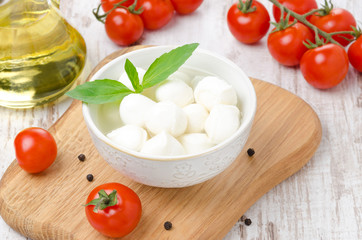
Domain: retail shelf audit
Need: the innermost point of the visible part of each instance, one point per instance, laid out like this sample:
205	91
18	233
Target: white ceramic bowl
178	171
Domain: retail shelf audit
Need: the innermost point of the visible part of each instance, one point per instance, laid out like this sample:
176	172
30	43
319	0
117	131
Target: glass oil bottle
41	55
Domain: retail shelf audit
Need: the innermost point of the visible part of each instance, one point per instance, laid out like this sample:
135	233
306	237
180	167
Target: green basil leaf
100	91
167	64
133	75
107	90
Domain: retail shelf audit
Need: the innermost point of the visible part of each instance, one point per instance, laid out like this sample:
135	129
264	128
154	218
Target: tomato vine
303	19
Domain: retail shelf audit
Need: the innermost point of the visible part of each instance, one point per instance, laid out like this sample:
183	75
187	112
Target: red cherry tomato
118	219
123	27
325	66
286	46
337	20
186	6
355	54
248	27
156	13
108	4
298	6
35	149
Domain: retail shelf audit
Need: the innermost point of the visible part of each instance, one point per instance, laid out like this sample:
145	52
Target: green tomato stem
105	200
302	19
101	17
310	13
133	9
326	8
341	32
245	7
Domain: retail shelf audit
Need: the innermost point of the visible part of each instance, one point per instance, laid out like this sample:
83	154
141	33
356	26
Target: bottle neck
55	3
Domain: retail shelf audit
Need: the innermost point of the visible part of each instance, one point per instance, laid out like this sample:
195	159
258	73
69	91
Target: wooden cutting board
48	205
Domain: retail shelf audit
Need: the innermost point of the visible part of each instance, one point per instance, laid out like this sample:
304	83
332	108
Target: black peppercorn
247	222
90	177
167	225
81	157
250	152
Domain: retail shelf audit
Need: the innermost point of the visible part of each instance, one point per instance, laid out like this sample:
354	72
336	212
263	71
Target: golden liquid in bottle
41	55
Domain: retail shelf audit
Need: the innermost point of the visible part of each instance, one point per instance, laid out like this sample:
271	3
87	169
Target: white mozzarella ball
125	79
108	116
133	109
196	117
223	121
176	91
196	81
163	144
195	142
129	136
166	116
212	90
180	76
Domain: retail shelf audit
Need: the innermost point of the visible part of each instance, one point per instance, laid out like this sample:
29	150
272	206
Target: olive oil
41	55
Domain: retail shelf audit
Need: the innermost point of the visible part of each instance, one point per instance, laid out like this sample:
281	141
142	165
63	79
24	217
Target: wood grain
285	135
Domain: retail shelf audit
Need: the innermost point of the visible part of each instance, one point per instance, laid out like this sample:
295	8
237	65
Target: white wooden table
322	201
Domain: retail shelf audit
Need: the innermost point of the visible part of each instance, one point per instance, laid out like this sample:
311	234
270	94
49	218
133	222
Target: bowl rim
243	126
